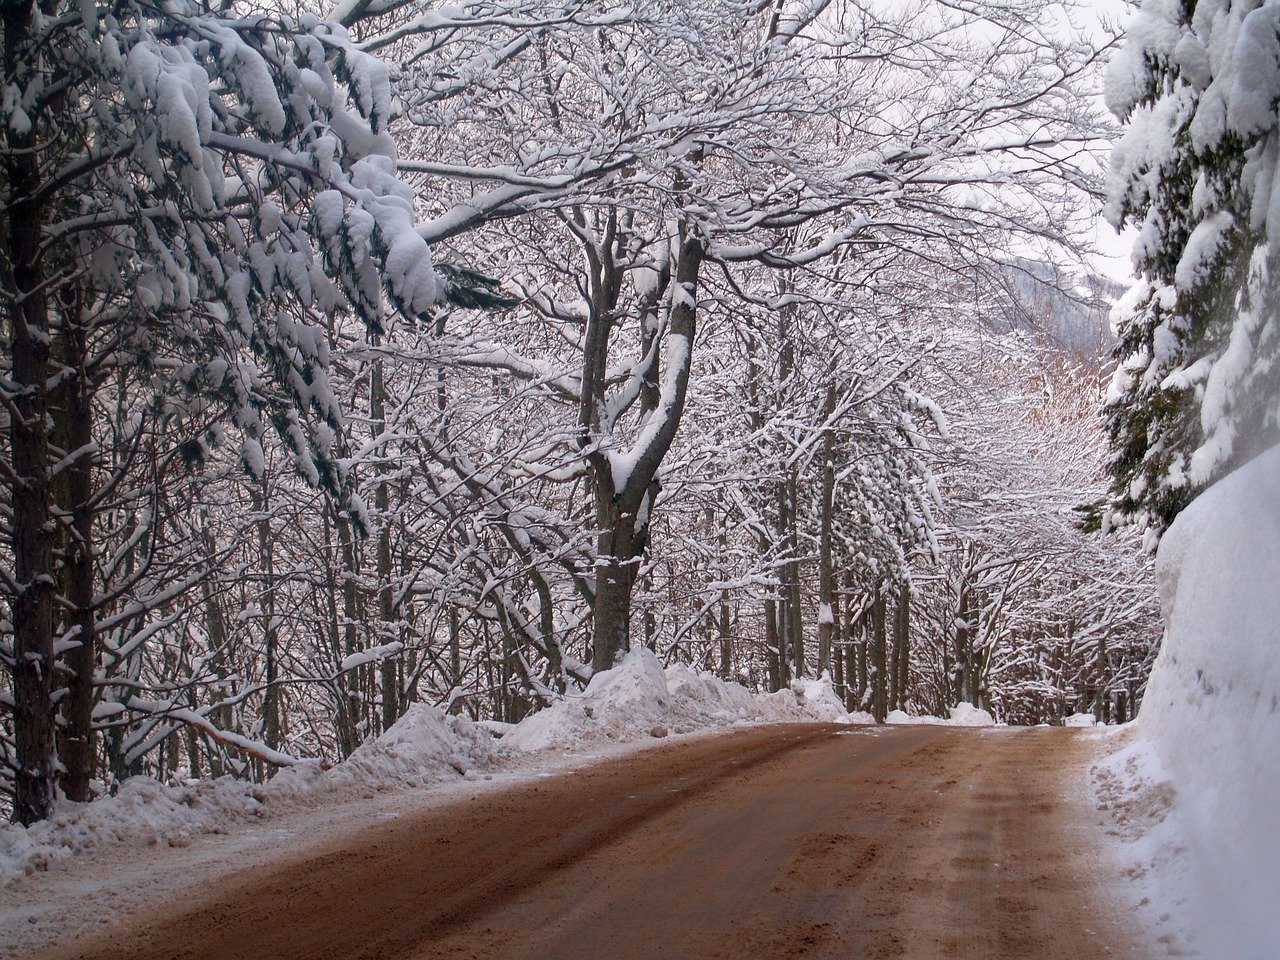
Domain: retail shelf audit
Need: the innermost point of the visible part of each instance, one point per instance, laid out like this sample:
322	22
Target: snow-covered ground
1194	784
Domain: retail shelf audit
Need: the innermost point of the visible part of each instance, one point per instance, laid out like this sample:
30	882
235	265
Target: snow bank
967	715
424	746
638	698
897	717
421	747
961	715
1209	730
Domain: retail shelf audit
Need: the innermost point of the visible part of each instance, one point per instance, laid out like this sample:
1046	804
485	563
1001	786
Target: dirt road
769	842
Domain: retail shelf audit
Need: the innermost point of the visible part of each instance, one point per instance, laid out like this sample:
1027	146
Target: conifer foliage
187	191
1196	391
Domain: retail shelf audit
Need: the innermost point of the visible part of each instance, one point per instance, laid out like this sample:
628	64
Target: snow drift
424	746
1207	747
639	698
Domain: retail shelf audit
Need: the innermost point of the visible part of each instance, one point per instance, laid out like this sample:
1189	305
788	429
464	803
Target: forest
381	352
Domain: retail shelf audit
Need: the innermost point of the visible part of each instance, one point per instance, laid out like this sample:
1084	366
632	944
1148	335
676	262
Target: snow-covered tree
187	190
802	466
671	155
1024	613
1196	392
720	229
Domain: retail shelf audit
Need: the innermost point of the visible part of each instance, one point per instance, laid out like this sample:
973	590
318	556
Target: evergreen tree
1195	392
187	189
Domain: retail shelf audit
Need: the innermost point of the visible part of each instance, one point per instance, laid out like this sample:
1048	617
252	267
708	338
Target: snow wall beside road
1212	707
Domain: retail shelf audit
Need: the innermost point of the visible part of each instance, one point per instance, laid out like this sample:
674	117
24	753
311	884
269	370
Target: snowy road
769	842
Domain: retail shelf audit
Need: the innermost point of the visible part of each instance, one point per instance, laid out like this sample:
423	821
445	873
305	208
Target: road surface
769	842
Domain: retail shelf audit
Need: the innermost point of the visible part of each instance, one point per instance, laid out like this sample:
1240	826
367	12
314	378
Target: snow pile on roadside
898	717
961	715
1133	788
424	746
635	700
967	715
1209	729
639	698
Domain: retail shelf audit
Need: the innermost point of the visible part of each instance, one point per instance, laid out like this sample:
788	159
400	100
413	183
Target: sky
1113	257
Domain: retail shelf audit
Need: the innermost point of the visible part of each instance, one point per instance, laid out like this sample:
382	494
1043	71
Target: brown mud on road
927	843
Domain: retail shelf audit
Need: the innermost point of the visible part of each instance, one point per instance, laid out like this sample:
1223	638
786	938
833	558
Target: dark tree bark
27	319
773	645
878	667
966	667
77	750
901	648
270	629
215	626
387	613
795	609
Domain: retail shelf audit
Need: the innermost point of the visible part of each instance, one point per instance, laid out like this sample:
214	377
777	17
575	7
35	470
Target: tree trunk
455	657
773	645
357	697
26	312
967	686
837	673
215	626
72	429
271	630
856	672
826	571
619	562
77	751
387	613
895	664
878	668
902	647
345	720
795	609
782	538
726	643
622	515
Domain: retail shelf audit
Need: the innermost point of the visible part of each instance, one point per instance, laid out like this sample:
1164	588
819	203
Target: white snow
638	698
372	655
967	715
1201	247
1194	788
424	746
901	716
962	715
1256	74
